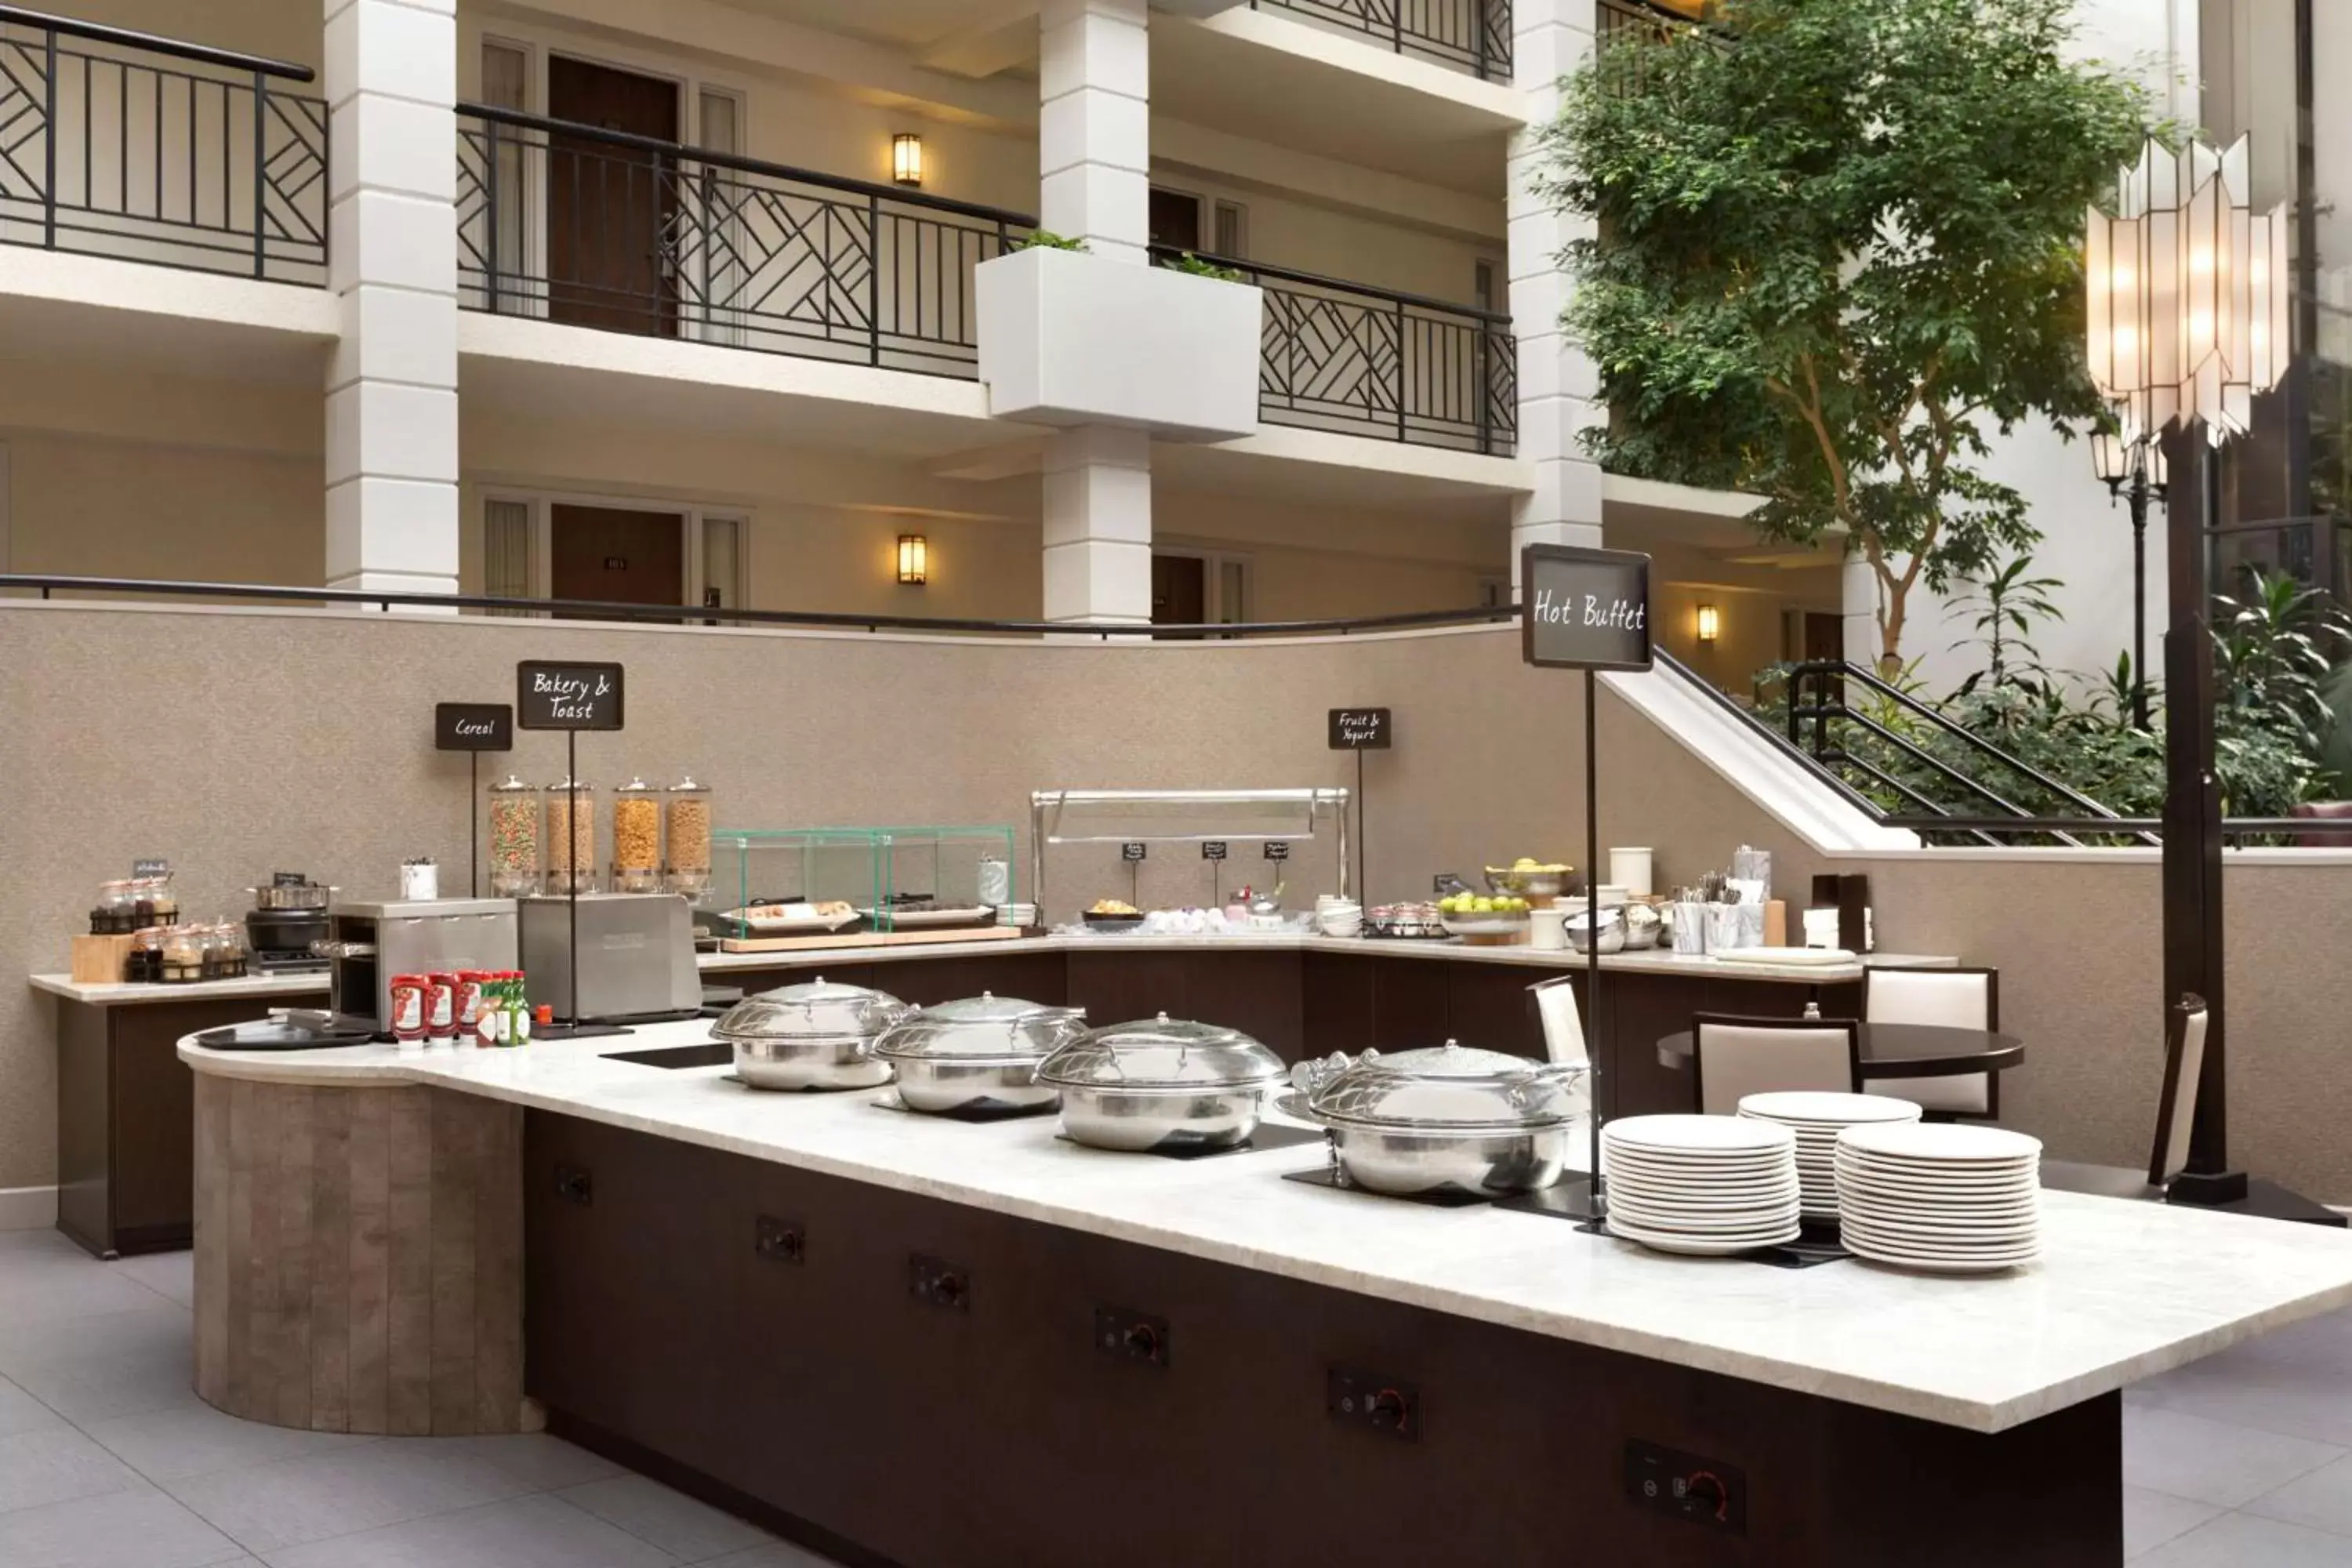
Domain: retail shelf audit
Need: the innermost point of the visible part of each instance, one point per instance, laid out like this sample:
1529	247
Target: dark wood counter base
930	1381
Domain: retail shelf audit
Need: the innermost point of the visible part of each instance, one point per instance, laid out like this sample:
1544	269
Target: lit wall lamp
907	158
914	560
1710	623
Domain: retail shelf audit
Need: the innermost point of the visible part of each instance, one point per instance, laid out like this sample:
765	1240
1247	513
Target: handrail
1789	748
868	188
601	609
1846	671
1317	280
150	43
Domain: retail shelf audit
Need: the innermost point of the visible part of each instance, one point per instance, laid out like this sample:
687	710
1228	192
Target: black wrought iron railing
1474	36
1614	20
123	145
599	228
1366	361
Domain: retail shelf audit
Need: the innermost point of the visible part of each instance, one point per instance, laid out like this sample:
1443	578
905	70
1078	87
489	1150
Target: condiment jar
636	837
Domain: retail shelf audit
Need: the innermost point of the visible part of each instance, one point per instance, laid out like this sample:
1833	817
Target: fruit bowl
1529	881
1498	927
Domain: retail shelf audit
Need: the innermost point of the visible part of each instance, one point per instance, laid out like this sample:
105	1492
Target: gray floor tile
172	1274
116	1363
196	1440
670	1520
775	1554
2212	1461
2151	1518
2241	1540
2321	1499
124	1529
64	1290
522	1533
53	1464
2310	1397
20	1412
536	1460
19	1247
269	1507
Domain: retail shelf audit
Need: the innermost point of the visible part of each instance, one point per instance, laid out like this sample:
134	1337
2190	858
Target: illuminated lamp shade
2186	291
914	560
1710	623
907	158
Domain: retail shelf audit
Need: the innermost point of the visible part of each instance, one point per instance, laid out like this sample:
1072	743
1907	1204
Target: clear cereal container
514	839
636	837
570	836
689	813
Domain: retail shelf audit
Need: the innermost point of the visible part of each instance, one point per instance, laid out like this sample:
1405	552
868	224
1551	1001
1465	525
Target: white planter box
1071	339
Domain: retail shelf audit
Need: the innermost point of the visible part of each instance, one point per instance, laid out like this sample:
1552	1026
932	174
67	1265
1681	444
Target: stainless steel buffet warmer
815	1033
1116	816
1161	1083
1450	1119
978	1053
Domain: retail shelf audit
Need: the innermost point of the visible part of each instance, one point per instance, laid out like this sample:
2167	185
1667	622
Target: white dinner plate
1675	1225
1685	1166
1681	1134
1941	1179
1702	1246
1944	1265
1968	1233
1805	1107
1942	1143
1935	1208
1707	1202
1927	1247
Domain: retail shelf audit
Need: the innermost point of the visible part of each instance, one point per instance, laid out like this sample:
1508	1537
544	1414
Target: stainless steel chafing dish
817	1034
1161	1083
1450	1119
978	1053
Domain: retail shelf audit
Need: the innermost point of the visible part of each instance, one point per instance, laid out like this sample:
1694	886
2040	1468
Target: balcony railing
598	229
1474	36
1396	367
109	148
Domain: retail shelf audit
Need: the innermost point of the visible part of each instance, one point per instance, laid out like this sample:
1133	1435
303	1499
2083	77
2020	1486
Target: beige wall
801	730
289	30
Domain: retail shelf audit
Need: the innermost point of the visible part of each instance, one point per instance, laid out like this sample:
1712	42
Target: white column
1094	156
392	387
1558	388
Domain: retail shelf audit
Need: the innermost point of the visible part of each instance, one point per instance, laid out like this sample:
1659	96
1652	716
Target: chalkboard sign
1214	849
290	879
568	696
1360	730
1584	609
473	727
146	868
1132	852
1276	850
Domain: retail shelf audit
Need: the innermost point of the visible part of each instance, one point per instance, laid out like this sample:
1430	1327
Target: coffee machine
368	943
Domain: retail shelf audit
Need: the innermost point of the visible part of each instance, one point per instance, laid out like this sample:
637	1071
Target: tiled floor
107	1461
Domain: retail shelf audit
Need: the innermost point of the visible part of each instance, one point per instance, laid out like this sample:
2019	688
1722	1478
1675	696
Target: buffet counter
1863	1415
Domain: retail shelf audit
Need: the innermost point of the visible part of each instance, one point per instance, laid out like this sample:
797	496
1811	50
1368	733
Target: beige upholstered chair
1734	1058
1952	998
2176	1110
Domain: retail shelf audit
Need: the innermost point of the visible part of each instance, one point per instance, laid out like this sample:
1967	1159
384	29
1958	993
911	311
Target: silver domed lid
1452	1087
1162	1056
811	1009
982	1031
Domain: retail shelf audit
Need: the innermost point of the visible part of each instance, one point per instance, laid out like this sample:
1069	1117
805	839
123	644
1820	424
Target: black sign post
571	697
1588	610
1360	730
1132	852
473	728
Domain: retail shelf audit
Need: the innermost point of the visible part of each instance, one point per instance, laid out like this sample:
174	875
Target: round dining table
1904	1050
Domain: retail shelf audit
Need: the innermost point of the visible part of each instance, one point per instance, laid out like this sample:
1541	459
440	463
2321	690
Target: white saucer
1699	1134
1942	1143
1801	1107
1701	1246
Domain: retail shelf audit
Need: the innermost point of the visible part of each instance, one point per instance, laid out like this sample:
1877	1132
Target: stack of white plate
1943	1198
1706	1185
1817	1119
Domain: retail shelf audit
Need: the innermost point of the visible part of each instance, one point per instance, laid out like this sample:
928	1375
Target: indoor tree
1838	244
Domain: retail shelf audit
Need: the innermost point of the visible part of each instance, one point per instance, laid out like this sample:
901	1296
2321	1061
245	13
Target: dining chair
1732	1057
1953	999
1563	1028
2176	1107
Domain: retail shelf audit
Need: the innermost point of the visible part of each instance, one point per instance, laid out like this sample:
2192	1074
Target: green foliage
1834	255
1047	239
2002	606
1188	262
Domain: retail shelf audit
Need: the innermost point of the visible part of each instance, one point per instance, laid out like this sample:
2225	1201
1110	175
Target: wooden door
1824	635
615	556
609	206
1175	219
1179	590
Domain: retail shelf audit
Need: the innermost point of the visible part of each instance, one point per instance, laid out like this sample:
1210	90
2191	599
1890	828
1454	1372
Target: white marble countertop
1651	963
2125	1290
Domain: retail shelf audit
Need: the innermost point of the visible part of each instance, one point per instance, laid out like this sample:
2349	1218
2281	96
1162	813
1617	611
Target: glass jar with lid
636	837
116	911
514	839
143	964
183	954
689	821
570	836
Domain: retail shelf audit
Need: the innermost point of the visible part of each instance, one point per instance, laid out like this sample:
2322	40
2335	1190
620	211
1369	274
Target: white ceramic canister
1630	869
1547	928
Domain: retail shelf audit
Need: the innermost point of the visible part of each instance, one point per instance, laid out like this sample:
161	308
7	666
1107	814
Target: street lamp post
2186	291
2132	463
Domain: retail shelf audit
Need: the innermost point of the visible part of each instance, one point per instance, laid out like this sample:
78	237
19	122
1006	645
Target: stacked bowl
1335	916
1710	1185
1941	1197
1817	1119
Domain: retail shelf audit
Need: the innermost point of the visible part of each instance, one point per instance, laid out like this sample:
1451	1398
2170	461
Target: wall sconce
1710	623
907	158
914	560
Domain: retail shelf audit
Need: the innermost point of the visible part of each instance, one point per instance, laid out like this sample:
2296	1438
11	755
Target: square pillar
1097	525
1560	389
1093	125
391	386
